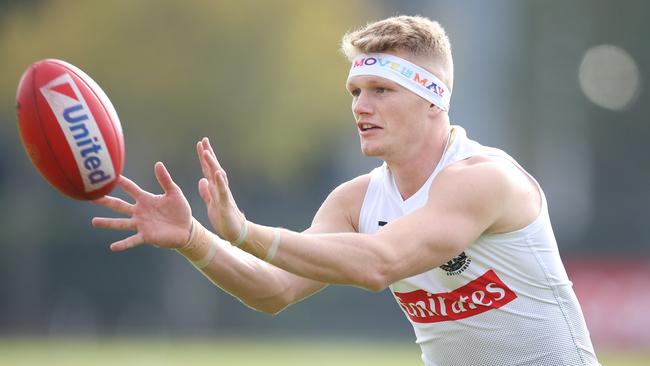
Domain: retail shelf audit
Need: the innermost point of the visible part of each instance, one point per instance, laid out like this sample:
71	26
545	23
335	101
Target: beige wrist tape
190	238
274	246
243	233
190	245
203	262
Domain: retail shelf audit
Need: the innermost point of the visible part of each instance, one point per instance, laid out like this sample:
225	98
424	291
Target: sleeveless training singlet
505	300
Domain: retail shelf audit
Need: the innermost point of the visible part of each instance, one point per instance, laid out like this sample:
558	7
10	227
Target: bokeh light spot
609	77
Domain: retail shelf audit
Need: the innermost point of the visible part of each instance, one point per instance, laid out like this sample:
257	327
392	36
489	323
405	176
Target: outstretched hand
223	213
163	220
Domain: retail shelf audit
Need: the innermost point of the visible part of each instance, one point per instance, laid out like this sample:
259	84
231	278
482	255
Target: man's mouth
367	126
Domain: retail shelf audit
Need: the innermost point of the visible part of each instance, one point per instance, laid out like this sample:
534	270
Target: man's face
391	120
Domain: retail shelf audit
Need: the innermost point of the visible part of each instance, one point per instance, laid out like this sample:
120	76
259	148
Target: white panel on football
81	131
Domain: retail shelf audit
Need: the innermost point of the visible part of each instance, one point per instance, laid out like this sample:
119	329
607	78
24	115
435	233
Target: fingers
119	224
130	187
214	166
208	160
221	187
203	154
206	145
128	243
204	166
114	223
212	188
115	204
204	191
164	178
215	191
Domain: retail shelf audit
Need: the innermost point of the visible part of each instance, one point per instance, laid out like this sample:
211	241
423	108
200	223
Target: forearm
342	258
254	282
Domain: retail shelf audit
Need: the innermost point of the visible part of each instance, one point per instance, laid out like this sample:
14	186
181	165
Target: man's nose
362	104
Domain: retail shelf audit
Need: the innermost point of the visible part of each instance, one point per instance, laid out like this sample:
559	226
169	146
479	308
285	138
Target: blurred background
561	86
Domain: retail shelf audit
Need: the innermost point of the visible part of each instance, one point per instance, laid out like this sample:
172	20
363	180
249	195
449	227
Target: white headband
404	73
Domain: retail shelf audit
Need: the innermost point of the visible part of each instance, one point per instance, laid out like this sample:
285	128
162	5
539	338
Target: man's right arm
261	285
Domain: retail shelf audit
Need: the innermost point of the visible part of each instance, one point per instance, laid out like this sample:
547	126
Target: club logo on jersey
482	294
457	265
81	131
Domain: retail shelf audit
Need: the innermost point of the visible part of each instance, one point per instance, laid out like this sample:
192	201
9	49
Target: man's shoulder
488	166
476	173
340	211
491	184
481	179
354	189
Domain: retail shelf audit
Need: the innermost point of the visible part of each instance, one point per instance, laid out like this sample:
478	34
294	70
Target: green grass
218	351
209	351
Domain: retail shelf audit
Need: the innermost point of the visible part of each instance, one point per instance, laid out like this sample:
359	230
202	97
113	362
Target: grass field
217	351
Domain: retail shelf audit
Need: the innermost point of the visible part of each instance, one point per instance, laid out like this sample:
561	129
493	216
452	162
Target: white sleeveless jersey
505	300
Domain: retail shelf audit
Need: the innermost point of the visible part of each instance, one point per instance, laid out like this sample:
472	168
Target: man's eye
380	90
355	92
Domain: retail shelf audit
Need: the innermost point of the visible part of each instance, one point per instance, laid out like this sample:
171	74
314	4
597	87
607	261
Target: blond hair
417	35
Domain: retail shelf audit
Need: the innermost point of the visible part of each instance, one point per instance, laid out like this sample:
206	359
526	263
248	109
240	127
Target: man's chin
370	152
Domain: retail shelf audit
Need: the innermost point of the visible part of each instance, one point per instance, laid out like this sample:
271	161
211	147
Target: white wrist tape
274	246
243	232
405	73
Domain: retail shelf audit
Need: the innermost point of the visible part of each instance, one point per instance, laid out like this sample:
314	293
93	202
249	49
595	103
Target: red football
69	129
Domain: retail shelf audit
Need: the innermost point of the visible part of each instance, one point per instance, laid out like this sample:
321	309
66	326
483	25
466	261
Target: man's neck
411	172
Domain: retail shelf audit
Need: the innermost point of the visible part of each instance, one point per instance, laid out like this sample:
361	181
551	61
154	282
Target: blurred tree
263	79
